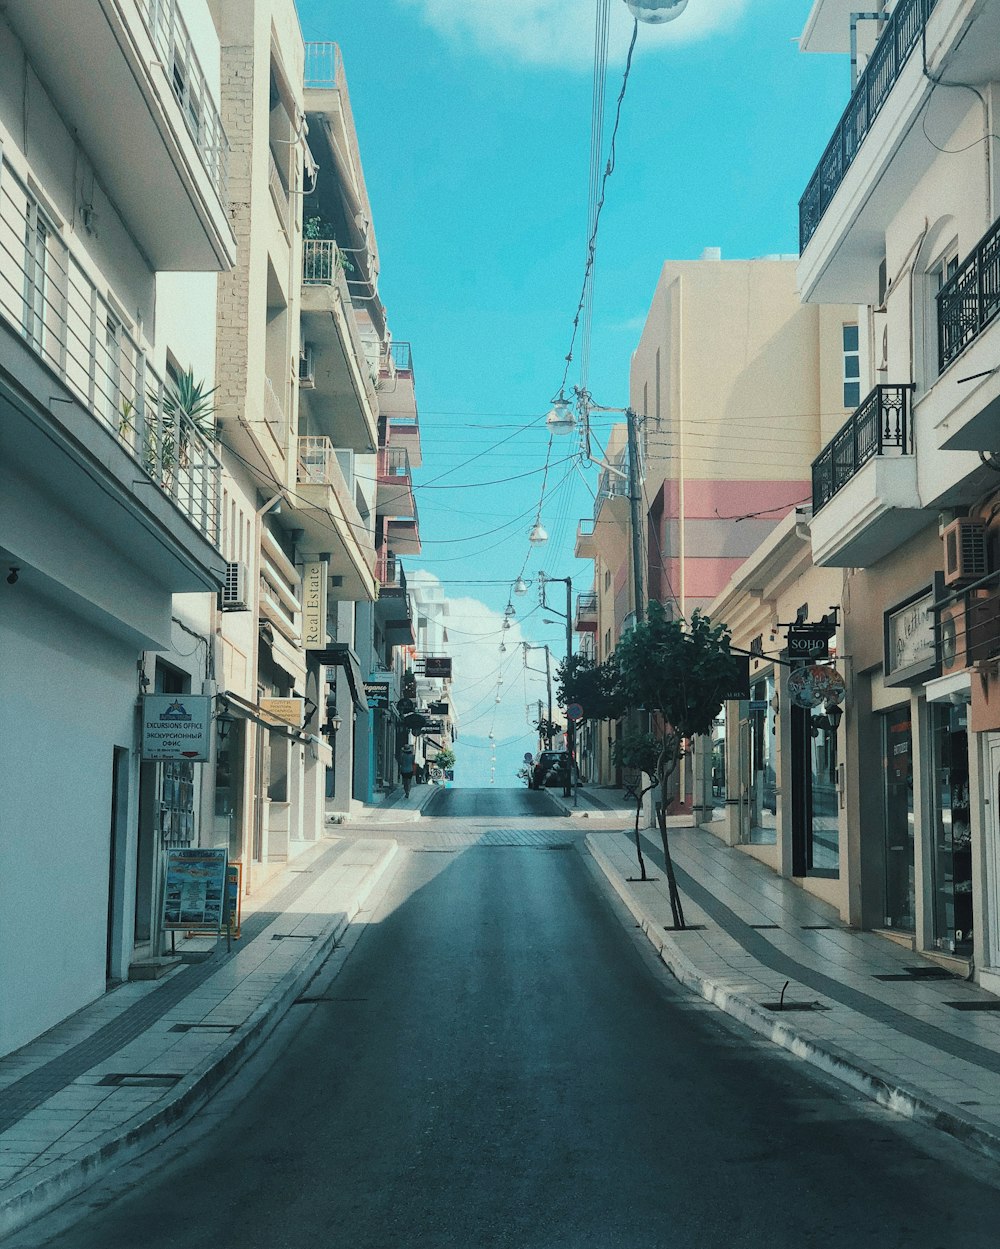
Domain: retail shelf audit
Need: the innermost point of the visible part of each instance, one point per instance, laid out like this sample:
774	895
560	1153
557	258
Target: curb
387	815
603	813
65	1178
831	1059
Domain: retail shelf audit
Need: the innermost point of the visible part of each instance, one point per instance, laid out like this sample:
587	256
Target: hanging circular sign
574	712
808	687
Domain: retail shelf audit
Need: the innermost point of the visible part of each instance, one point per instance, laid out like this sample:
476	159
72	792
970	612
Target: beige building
900	217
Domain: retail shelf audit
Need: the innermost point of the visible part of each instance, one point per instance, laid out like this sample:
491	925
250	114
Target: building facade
900	218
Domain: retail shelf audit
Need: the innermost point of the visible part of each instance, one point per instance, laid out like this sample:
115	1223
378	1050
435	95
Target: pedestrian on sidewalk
406	767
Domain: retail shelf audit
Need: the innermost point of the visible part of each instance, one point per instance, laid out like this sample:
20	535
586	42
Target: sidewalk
895	1026
597	801
126	1071
394	808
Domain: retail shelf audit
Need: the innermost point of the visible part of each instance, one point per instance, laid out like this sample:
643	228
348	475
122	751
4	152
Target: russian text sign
176	726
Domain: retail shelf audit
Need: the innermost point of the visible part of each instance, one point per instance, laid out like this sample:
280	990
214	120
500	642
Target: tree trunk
665	772
638	812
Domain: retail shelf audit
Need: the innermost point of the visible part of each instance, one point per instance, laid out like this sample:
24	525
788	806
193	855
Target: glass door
897	770
952	846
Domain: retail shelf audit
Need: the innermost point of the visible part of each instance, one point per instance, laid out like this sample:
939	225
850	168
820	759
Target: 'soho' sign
808	644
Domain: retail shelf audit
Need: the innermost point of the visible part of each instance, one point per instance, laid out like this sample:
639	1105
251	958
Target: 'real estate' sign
176	726
314	626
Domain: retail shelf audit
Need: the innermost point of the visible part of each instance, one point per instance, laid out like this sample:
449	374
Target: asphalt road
499	1062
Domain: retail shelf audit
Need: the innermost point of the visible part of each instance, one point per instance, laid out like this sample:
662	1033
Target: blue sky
474	123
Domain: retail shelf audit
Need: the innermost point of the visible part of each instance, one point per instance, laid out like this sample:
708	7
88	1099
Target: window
852	367
42	281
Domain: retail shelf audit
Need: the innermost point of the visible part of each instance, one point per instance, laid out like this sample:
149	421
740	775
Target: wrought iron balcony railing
881	423
970	299
900	35
49	301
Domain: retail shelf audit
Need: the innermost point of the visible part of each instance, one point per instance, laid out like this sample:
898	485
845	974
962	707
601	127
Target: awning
341	655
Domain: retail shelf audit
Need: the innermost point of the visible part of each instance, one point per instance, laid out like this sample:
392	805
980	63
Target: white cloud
561	32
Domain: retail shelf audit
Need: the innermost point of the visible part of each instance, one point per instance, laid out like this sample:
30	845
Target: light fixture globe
561	419
537	535
656	11
520	586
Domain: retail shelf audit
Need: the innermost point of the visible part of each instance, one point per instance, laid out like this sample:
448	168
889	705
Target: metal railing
970	299
318	464
967	625
274	410
393	462
402	357
900	35
390	576
180	62
52	305
323	265
324	66
881	423
279	193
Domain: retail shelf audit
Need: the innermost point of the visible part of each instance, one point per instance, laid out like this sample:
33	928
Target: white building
109	494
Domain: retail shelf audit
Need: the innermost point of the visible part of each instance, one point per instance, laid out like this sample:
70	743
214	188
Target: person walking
406	767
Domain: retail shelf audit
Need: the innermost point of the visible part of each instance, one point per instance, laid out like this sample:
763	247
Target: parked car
550	768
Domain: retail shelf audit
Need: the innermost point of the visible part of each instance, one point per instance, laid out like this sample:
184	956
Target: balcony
403	536
398	402
130	82
586	613
970	300
865	500
393	607
394	493
329	517
896	43
585	547
343	398
91	396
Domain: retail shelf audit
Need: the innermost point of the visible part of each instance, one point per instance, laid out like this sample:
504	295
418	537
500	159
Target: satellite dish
655	11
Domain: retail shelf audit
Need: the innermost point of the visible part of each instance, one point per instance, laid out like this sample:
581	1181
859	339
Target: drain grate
311	1001
204	1027
292	936
140	1080
761	926
686	928
818	927
974	1005
918	973
783	1006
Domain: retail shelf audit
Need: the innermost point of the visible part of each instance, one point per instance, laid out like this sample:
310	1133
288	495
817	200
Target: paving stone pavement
135	1063
892	1024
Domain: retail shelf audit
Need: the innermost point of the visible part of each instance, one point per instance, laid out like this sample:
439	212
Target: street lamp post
548	684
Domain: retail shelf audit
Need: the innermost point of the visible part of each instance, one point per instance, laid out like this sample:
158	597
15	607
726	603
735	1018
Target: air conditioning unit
964	551
307	367
234	593
968	631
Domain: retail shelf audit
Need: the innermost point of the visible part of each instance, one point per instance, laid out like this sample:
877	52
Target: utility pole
635	499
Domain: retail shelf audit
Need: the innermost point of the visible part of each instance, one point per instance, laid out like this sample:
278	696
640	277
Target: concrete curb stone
864	1077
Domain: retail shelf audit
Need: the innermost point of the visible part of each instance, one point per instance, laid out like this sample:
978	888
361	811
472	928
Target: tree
445	758
596	687
680	671
640	752
547	729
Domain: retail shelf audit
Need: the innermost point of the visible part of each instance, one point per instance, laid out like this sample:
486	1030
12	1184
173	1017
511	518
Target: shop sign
809	642
290	711
739	686
437	666
377	693
808	687
909	640
314	584
176	726
194	891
